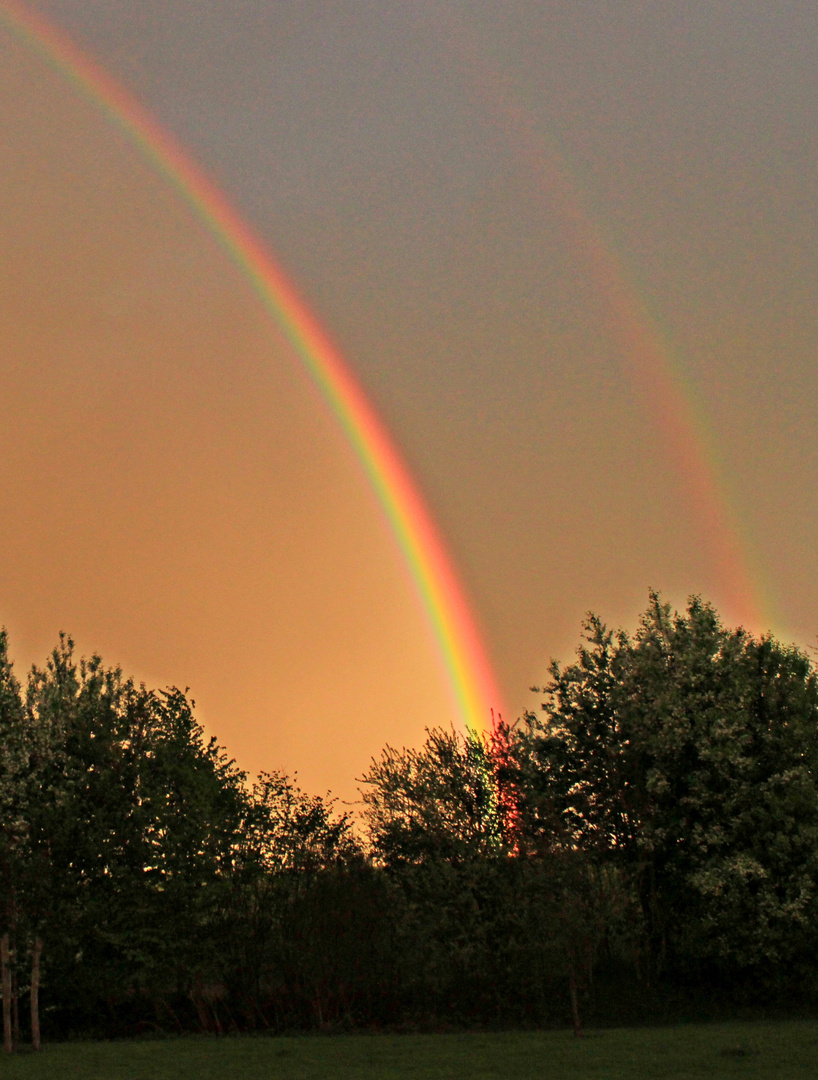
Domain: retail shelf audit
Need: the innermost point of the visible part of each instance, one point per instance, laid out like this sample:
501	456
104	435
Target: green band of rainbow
462	653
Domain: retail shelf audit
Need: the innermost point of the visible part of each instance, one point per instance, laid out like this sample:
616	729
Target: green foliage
14	766
687	755
494	924
134	847
438	802
650	840
289	831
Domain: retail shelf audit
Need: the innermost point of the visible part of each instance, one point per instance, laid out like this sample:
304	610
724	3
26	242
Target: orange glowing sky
176	494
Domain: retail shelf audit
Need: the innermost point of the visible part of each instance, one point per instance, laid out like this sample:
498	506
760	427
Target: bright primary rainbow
467	668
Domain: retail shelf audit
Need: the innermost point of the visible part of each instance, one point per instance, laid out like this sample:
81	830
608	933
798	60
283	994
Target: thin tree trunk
36	952
572	990
15	1007
6	979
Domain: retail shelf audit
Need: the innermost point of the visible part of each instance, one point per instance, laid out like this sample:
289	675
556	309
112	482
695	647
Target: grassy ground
775	1051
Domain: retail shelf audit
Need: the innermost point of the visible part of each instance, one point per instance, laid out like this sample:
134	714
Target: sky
568	250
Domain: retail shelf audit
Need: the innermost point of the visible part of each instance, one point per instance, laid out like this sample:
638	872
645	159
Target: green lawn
763	1050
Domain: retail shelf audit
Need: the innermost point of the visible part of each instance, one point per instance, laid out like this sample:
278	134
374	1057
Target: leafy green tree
134	822
435	825
439	802
687	755
294	848
136	859
495	917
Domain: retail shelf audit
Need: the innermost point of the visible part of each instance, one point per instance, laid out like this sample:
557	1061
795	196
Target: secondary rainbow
648	359
468	670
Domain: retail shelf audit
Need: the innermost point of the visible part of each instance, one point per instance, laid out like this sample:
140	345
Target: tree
136	860
294	849
133	821
496	917
688	756
438	802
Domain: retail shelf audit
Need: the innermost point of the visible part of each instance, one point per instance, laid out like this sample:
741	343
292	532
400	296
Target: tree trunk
15	1007
198	1000
36	952
6	978
572	990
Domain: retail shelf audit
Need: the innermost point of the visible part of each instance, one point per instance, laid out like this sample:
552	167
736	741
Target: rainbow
669	402
463	656
649	362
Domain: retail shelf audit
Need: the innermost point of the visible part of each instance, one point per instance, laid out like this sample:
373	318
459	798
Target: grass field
763	1051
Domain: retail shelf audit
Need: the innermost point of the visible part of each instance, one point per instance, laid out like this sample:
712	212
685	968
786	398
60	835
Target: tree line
647	840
